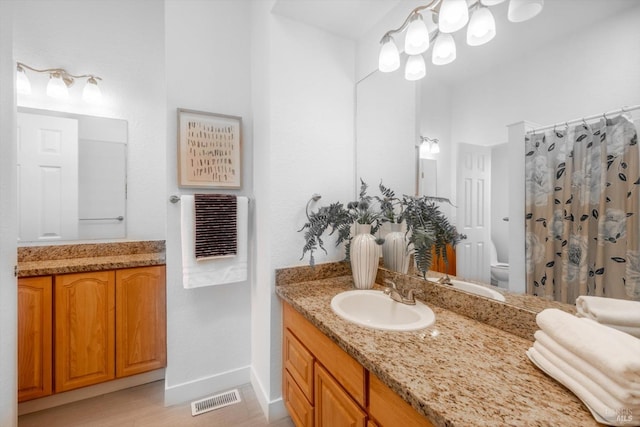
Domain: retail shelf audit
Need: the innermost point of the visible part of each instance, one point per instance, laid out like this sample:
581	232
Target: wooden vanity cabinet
107	324
34	337
323	386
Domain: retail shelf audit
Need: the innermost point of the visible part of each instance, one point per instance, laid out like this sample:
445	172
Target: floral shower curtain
582	211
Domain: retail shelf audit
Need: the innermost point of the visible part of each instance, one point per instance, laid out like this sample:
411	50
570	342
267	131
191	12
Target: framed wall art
209	150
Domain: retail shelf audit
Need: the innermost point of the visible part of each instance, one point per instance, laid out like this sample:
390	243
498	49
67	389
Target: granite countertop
459	372
78	258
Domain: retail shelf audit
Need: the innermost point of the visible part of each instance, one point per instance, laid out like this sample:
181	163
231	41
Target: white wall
122	43
587	73
8	225
208	68
386	133
303	91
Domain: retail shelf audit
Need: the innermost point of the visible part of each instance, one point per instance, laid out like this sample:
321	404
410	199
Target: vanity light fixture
428	146
450	16
60	80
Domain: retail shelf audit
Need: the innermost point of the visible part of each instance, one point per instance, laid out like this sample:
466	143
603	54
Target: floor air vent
215	402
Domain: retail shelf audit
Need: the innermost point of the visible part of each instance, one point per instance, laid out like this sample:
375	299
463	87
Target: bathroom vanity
459	372
88	314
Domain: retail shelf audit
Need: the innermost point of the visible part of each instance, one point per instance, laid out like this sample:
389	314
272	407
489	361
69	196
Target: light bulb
415	68
491	2
434	148
389	59
23	85
444	50
424	150
56	88
482	27
91	92
522	10
417	39
453	15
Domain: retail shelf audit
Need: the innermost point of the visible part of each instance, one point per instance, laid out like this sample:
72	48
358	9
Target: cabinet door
140	320
84	329
34	338
333	406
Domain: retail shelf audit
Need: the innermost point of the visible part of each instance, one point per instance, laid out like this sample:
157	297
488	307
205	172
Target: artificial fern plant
427	226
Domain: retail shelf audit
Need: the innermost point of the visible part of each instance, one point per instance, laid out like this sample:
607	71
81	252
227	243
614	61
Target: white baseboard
202	387
88	392
272	409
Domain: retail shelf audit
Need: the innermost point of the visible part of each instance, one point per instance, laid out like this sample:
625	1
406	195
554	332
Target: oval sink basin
376	310
476	289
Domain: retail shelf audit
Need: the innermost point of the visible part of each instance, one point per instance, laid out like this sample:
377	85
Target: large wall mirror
576	59
71	177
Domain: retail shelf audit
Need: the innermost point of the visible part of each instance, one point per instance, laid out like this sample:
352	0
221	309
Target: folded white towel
609	310
626	329
218	271
623	390
601	411
598	392
607	349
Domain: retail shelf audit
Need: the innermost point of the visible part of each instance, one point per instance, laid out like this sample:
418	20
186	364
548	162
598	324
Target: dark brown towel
216	225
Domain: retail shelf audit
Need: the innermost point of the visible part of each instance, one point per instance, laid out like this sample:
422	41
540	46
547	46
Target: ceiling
559	18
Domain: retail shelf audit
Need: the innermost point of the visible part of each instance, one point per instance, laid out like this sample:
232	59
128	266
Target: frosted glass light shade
417	39
415	69
91	92
389	59
453	15
444	50
522	10
482	27
23	85
491	2
435	147
56	87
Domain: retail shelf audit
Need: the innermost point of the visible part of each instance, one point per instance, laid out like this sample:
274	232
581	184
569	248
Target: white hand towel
609	310
626	329
625	391
218	271
600	411
605	348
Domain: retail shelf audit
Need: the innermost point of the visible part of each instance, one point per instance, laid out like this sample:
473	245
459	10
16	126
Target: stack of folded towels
600	365
621	314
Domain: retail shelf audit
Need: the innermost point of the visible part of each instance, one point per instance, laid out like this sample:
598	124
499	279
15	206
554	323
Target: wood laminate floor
144	406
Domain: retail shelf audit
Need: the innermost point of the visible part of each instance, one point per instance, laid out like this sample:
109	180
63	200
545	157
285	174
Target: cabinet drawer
299	363
345	369
300	410
389	409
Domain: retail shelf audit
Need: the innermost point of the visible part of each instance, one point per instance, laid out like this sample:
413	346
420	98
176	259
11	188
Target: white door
474	210
47	178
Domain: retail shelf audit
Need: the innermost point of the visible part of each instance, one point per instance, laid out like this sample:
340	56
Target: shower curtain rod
584	119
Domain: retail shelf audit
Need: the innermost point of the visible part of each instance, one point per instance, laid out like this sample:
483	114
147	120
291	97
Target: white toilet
499	270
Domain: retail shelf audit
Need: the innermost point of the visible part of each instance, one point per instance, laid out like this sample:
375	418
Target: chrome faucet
445	280
395	294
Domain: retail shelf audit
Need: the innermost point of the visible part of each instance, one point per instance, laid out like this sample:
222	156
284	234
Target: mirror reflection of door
428	177
474	210
47	178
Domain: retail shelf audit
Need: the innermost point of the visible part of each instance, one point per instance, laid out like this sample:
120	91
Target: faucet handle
391	284
411	294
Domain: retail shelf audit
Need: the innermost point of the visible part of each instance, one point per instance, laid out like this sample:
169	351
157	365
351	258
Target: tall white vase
364	257
395	253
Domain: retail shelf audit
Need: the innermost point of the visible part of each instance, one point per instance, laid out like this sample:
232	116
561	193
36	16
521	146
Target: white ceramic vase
395	252
364	257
